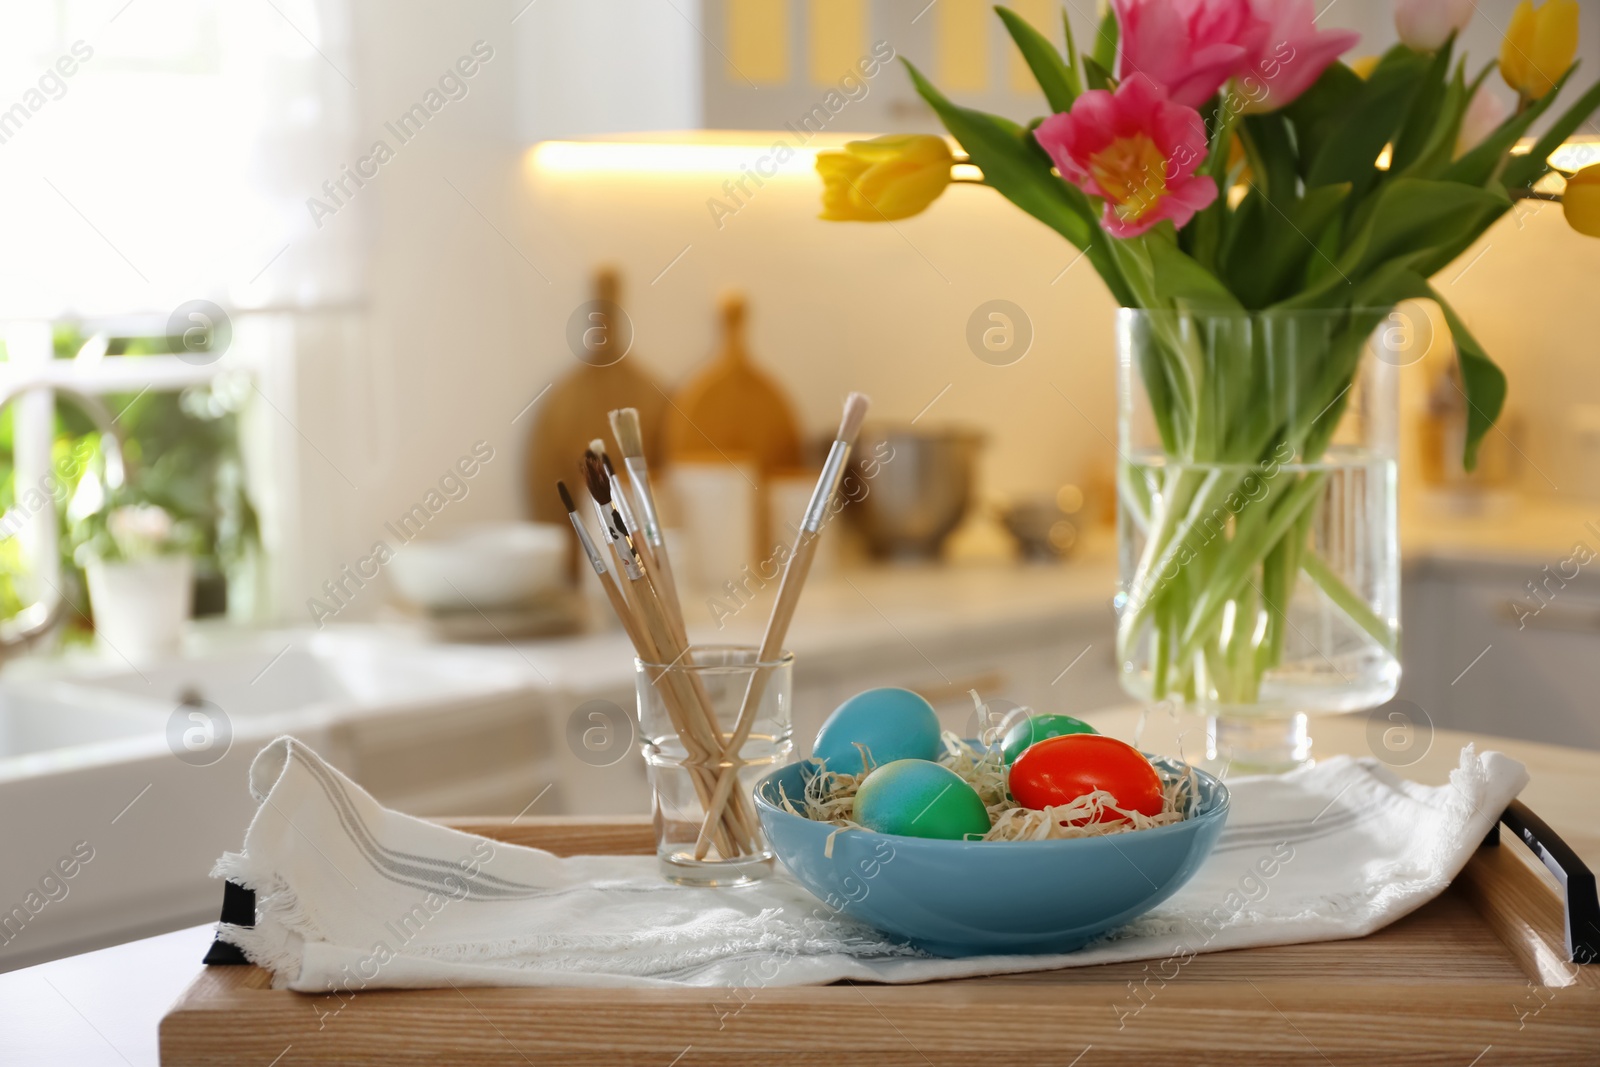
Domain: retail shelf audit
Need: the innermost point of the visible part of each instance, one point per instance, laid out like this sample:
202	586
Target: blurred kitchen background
330	270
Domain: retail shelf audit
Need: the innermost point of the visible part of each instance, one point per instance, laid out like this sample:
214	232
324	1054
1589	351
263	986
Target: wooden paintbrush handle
741	816
628	611
794	579
699	723
660	568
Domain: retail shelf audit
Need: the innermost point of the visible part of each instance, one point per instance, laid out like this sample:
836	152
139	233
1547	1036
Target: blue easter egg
894	724
916	798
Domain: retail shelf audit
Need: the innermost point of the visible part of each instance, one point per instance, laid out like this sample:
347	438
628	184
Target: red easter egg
1059	770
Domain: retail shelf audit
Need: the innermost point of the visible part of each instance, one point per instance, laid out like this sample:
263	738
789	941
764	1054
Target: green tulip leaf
1058	81
1415	214
1096	75
1104	53
997	147
1204	235
1427	117
1523	171
1270	148
1074	64
1269	245
1178	277
1354	142
1321	109
1440	147
1483	383
1480	164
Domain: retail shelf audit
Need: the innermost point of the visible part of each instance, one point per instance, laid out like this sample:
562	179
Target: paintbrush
631	624
612	526
690	715
794	580
614	594
630	439
677	647
641	544
619	499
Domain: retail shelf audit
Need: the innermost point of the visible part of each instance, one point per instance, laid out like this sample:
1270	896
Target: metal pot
910	487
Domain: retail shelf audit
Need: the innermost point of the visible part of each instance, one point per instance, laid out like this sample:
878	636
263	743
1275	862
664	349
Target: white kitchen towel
353	896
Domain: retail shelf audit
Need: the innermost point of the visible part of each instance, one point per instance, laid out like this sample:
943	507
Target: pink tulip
1484	113
1426	24
1293	54
1188	47
1135	149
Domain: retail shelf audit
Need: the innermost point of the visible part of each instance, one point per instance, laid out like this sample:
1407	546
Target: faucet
37	620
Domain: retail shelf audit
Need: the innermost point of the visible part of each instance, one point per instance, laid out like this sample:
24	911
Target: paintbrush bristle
566	497
855	410
598	447
595	477
625	428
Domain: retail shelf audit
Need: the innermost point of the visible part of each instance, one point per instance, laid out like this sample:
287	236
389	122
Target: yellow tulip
1364	66
885	178
1539	46
1581	202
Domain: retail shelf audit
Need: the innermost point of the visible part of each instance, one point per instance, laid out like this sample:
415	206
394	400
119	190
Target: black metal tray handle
1582	901
238	909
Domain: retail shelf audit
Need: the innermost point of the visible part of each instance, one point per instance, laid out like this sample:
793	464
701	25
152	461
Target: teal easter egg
916	798
1036	728
893	724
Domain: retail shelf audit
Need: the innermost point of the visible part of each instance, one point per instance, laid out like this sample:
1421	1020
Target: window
154	156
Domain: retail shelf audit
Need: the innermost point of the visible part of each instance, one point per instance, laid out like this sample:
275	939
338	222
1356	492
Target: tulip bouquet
1228	175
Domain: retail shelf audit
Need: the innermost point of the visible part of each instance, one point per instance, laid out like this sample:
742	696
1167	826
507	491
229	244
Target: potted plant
139	563
1260	210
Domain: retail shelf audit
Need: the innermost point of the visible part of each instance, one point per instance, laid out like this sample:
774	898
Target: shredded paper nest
830	797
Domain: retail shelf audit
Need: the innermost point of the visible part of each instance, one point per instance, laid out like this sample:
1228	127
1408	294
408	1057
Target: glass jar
1257	526
689	715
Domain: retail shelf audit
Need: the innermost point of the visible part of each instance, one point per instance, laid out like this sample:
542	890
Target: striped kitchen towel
350	895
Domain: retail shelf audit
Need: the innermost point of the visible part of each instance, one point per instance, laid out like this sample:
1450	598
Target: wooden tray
1478	977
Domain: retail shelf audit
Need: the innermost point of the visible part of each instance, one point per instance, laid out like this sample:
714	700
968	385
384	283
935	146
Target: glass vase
689	712
1257	526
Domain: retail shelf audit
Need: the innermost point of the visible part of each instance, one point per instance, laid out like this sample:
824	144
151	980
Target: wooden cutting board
1477	976
733	412
574	412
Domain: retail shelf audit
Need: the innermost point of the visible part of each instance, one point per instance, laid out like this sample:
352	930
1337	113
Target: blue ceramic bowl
968	898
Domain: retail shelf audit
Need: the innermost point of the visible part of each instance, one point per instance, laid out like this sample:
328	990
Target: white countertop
98	1008
861	609
1495	529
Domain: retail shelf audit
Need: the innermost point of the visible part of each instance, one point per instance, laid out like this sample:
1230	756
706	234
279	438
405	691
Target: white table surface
99	1007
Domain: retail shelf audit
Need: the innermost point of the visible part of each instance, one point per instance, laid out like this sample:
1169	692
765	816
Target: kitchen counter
858	612
1501	528
102	1008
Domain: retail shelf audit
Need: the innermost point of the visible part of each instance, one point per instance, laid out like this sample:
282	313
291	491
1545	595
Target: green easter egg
919	798
1036	728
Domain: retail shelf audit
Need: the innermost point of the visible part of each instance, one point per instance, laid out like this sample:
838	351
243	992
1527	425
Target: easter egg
1036	728
1059	770
919	798
893	724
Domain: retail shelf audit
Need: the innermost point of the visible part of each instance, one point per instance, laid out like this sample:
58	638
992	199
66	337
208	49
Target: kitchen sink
297	673
93	751
40	719
248	683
